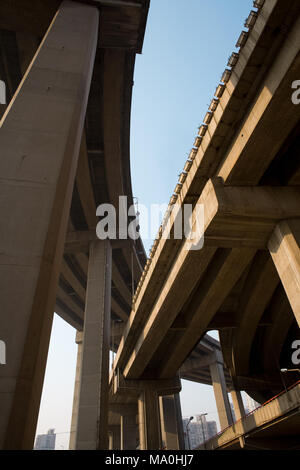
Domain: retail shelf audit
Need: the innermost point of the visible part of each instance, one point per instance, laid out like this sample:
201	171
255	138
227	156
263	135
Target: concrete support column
171	422
114	437
284	247
92	427
79	341
40	136
220	391
146	392
128	430
179	421
149	420
238	404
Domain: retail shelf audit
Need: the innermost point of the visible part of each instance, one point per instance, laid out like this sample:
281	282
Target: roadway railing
243	418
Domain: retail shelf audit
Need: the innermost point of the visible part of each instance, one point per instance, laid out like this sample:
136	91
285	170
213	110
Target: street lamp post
289	370
187	431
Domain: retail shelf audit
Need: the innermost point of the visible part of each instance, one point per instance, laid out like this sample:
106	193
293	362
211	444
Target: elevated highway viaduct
244	282
64	143
71	65
64	139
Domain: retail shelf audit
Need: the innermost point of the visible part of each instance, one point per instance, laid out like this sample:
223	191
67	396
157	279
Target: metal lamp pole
187	431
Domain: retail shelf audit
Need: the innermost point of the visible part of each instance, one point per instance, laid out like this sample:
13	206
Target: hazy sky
187	45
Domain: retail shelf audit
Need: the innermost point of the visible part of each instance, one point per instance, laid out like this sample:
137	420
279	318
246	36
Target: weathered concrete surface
40	136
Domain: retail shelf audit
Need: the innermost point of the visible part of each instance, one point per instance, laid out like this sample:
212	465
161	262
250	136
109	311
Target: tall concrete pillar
220	391
92	426
149	420
129	429
114	437
79	341
238	404
40	136
179	421
171	427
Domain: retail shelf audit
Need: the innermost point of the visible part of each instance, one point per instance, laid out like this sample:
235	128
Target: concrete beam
256	383
176	290
197	363
284	246
120	284
39	152
256	137
129	387
79	241
237	216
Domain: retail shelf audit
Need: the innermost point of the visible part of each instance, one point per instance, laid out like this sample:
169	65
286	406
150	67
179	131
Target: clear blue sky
186	48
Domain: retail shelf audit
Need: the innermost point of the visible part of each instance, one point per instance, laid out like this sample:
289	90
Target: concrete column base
79	341
171	422
149	420
114	437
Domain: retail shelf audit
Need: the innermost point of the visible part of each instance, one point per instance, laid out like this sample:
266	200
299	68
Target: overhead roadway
104	164
245	169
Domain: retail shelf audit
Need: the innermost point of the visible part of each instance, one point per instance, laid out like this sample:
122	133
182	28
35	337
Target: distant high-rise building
251	404
211	429
198	431
46	441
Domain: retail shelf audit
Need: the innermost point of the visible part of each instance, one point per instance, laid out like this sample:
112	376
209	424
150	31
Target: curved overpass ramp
64	137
